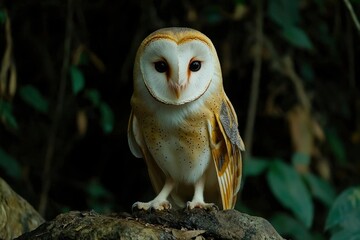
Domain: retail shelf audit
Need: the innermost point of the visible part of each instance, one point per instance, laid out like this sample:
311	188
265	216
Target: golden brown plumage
182	122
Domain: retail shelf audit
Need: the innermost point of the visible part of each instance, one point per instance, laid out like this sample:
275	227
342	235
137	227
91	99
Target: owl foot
206	206
152	205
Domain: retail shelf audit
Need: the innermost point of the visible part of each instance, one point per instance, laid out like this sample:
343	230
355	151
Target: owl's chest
181	148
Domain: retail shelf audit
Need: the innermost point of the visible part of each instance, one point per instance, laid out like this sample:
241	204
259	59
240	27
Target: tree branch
249	130
46	177
353	15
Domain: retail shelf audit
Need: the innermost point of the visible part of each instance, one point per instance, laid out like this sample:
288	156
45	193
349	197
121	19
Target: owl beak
177	92
177	88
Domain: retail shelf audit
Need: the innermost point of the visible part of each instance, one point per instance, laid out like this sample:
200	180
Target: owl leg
198	198
160	202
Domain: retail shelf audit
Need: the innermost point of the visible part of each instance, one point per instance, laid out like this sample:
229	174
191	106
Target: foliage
6	114
34	98
100	199
10	165
287	185
287	15
344	215
289	226
321	189
336	145
292	189
77	79
2	16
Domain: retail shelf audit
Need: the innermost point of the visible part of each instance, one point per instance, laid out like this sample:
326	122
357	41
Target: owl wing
139	149
134	136
226	151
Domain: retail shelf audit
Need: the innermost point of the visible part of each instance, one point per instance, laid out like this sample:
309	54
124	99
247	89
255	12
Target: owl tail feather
177	200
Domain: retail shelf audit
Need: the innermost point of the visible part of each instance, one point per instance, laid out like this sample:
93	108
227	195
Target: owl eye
195	66
161	66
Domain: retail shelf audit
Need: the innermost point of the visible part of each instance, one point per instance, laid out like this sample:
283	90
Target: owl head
176	65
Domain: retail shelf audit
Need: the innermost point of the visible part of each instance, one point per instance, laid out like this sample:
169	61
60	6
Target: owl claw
152	205
206	206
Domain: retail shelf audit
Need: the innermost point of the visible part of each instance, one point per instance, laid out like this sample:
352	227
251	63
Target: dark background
73	154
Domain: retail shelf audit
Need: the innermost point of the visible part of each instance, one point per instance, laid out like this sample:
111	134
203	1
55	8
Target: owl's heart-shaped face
176	71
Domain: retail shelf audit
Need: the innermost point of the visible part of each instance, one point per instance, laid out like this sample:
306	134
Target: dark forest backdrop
290	68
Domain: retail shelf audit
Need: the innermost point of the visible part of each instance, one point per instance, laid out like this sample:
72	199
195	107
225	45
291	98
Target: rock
175	224
17	216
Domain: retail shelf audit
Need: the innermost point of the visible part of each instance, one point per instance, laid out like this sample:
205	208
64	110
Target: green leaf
77	79
65	209
284	12
94	96
255	166
33	97
107	117
345	234
10	119
288	187
289	226
2	16
10	165
301	159
96	190
307	72
297	37
212	14
320	189
7	114
345	210
84	58
336	145
325	36
241	207
100	199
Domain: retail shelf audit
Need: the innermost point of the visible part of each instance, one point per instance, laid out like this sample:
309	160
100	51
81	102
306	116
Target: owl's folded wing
134	137
227	146
139	149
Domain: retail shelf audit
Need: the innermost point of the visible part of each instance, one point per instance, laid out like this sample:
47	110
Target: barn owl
183	124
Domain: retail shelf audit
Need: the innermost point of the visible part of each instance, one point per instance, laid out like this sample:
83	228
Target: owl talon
136	206
206	206
152	205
